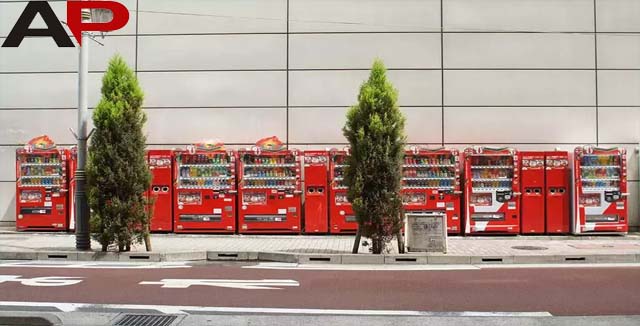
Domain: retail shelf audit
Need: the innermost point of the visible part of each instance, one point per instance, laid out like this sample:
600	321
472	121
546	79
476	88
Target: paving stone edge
317	258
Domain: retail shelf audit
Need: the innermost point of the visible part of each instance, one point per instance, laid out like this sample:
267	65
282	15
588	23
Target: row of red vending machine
271	189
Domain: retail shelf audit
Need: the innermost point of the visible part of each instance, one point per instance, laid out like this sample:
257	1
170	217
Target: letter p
74	17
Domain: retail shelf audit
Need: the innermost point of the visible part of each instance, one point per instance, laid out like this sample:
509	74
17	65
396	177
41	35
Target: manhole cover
529	248
146	320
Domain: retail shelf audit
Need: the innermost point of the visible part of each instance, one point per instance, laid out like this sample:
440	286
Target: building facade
531	74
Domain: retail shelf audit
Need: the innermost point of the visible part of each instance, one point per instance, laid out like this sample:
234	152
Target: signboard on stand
426	232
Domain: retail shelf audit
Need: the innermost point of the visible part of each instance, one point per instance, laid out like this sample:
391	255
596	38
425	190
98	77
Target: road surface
557	291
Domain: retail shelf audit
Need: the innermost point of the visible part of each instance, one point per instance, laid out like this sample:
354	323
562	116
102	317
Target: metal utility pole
83	242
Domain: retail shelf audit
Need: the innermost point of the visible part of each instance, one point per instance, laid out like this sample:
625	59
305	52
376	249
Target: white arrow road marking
70	307
41	281
236	284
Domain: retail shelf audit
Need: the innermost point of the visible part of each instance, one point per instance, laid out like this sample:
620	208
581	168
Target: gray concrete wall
532	74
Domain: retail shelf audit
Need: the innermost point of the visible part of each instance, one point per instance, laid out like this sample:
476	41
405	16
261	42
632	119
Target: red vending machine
160	163
316	194
558	194
492	191
532	215
342	220
431	184
205	189
41	186
269	188
600	190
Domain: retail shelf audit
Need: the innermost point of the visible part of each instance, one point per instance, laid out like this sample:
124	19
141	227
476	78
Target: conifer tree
117	171
375	131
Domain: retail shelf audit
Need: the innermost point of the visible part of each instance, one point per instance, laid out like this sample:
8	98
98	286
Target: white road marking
362	267
235	284
93	265
47	281
575	265
427	267
70	307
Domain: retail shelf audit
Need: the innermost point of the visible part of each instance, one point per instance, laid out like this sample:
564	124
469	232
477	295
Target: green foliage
375	130
117	172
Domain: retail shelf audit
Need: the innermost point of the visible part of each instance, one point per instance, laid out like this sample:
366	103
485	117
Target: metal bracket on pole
75	136
90	133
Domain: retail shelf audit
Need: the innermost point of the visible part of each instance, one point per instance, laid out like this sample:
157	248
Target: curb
303	258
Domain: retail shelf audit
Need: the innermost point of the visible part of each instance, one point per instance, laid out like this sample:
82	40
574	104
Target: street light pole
83	241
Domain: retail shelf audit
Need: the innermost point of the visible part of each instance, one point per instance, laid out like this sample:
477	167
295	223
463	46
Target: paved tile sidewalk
458	246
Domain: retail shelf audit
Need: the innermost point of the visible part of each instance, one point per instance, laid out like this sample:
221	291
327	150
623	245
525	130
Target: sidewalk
332	249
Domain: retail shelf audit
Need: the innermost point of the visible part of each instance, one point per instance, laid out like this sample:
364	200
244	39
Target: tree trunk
127	247
105	247
356	242
120	247
147	240
377	246
400	243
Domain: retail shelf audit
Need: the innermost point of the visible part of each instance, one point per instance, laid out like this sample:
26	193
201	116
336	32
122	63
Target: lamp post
83	241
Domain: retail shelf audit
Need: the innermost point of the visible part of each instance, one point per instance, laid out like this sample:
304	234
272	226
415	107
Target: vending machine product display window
205	189
269	186
600	190
41	186
342	219
431	184
492	191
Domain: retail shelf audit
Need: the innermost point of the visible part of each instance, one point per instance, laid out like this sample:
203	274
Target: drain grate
529	248
146	320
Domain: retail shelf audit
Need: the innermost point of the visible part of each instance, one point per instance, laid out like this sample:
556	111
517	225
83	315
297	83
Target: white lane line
575	265
70	307
426	267
93	265
361	267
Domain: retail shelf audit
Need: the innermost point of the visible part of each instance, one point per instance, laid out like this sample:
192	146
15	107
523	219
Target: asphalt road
559	291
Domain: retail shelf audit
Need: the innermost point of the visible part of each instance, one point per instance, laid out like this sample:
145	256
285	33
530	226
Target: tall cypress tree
375	130
117	171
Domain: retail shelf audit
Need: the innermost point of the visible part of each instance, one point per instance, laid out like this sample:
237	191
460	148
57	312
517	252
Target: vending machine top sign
270	144
41	143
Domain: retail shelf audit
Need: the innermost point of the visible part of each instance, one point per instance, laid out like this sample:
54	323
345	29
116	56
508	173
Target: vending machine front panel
342	219
532	219
161	190
270	190
205	189
431	182
600	190
41	186
492	191
316	195
558	192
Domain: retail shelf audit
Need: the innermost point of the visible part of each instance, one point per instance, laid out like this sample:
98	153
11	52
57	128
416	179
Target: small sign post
426	232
